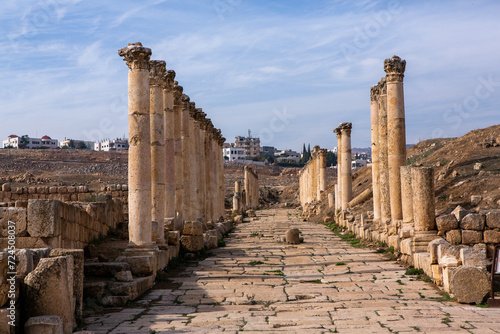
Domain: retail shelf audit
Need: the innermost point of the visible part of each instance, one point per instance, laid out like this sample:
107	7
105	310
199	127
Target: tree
81	145
71	143
331	159
24	141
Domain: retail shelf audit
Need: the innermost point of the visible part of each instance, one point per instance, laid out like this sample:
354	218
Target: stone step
132	289
104	269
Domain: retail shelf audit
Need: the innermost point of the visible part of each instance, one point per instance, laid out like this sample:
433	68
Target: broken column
385	204
156	74
422	183
374	92
169	131
406	194
139	154
396	136
345	129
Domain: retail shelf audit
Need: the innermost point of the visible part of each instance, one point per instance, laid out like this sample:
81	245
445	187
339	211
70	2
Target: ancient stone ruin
312	181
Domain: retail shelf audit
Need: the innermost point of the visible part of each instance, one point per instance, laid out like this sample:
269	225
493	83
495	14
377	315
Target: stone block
211	239
174	237
446	222
140	265
448	261
46	324
293	236
49	288
454	237
124	276
472	237
473	221
447	276
192	243
470	284
15	215
432	248
475	199
437	274
4	284
194	228
24	257
5	327
406	246
78	263
394	241
44	218
460	212
238	219
473	257
132	289
493	219
491	236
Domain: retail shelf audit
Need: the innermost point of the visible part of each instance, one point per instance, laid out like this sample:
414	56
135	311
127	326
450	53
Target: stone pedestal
139	154
395	67
156	74
422	182
374	94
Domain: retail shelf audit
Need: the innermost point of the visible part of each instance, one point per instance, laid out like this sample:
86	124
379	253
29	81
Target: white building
111	145
15	141
287	153
234	153
358	163
292	159
77	143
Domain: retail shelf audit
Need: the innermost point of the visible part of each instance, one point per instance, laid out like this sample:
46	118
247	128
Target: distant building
111	145
234	153
287	153
358	163
249	144
291	159
76	143
14	141
267	150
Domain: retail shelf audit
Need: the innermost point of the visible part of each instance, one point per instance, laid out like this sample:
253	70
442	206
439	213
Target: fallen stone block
47	324
238	219
432	248
460	212
446	222
49	288
447	276
192	243
105	269
140	265
293	236
174	237
124	276
470	284
473	257
132	289
473	221
192	228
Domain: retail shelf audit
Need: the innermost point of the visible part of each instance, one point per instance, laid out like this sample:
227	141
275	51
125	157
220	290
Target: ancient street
259	284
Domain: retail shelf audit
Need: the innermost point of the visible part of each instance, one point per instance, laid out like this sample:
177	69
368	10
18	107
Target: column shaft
345	129
169	120
422	183
375	150
385	203
406	194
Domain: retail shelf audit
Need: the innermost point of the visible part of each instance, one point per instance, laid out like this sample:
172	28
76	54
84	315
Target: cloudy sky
288	70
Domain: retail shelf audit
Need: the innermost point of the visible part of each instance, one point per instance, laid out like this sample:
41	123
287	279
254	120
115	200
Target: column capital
157	70
337	132
382	86
395	68
345	128
374	92
322	152
136	56
185	101
168	80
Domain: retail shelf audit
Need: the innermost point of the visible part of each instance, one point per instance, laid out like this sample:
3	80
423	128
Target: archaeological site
171	236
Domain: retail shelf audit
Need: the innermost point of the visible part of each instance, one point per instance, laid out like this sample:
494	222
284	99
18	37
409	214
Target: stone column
406	193
330	200
374	93
209	168
168	124
200	148
422	183
178	161
321	172
385	204
314	178
237	197
345	129
186	159
139	153
156	74
337	206
193	164
220	159
339	167
396	137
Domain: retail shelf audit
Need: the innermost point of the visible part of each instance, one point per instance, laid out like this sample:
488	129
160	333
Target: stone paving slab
258	285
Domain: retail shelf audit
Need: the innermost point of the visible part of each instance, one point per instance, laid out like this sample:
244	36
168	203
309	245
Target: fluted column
178	161
157	71
374	93
422	183
169	126
345	129
139	154
339	168
396	136
385	202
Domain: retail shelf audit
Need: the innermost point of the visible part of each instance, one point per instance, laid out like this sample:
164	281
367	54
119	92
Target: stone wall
51	223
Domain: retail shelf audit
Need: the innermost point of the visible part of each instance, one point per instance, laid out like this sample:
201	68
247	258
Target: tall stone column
208	168
237	197
221	180
345	129
186	159
169	126
396	135
139	154
422	183
314	173
374	93
178	161
339	167
385	202
215	183
321	172
248	190
337	206
200	148
193	164
406	193
330	200
156	74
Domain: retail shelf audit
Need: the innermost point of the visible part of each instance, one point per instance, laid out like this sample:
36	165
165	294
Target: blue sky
290	71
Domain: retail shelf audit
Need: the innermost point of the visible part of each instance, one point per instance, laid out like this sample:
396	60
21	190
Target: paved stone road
257	284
